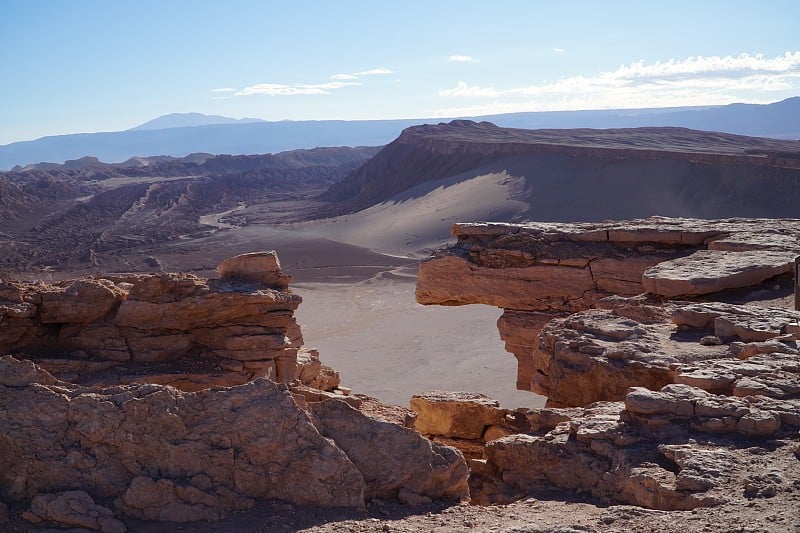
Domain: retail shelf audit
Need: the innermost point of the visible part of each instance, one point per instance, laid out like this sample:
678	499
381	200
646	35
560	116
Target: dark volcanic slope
614	173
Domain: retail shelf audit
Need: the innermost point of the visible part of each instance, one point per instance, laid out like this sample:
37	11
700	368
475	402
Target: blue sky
85	66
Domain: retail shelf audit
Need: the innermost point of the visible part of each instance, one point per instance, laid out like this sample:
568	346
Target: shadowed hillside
591	174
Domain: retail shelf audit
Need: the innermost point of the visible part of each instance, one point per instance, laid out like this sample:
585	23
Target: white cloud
275	89
374	71
224	90
460	59
558	50
692	81
344	77
462	89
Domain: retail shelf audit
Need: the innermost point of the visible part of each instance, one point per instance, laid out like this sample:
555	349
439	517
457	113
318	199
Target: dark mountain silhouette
779	120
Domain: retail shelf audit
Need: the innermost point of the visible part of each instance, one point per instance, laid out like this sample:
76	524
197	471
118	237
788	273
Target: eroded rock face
651	402
189	332
231	445
460	415
162	454
73	509
538	271
396	462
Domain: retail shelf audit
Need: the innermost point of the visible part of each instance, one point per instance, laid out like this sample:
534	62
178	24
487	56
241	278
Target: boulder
81	301
263	268
73	508
708	271
463	415
243	442
396	462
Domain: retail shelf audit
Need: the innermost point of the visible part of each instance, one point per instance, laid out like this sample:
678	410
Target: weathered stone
81	301
260	267
393	458
311	372
166	501
455	414
172	318
251	441
75	509
707	271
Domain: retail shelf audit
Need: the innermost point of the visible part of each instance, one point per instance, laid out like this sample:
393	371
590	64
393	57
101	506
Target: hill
586	174
180	134
188	120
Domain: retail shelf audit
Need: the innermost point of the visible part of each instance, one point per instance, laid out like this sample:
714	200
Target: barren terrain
354	251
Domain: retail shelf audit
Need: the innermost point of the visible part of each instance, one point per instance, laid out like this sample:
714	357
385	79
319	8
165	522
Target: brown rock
707	271
165	501
462	415
260	267
75	509
250	441
81	301
393	458
175	319
311	372
22	373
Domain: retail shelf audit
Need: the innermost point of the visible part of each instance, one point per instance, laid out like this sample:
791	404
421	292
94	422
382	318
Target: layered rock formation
651	402
536	271
173	398
175	329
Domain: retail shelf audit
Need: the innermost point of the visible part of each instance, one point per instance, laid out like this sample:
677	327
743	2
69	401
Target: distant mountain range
181	134
189	120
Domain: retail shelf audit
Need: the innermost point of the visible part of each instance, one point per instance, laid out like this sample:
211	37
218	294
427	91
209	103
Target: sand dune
417	221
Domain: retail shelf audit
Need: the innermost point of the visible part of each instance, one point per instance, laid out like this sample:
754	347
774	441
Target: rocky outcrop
690	414
222	444
156	453
173	398
173	329
73	509
537	271
651	402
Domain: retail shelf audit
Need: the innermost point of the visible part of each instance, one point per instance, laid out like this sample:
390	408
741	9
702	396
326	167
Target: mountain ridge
639	172
188	120
779	119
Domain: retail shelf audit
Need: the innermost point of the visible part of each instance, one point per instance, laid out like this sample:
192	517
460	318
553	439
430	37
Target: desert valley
472	327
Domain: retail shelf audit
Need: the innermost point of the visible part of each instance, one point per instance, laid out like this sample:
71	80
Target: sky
86	66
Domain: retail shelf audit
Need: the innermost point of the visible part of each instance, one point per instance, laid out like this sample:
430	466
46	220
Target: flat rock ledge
538	271
169	328
652	401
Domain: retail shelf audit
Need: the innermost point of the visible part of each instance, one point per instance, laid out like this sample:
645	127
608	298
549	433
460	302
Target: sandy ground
386	345
418	220
357	277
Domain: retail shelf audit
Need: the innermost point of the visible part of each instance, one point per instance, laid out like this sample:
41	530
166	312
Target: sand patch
386	345
418	220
